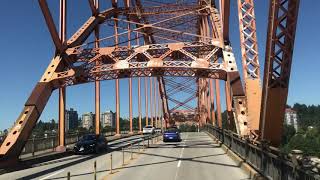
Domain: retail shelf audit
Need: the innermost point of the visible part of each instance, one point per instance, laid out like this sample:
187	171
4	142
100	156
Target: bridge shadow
174	159
171	159
188	144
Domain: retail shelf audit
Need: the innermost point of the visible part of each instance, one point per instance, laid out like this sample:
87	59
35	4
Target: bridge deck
196	157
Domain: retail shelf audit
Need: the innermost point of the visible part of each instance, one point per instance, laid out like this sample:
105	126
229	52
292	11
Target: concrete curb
254	175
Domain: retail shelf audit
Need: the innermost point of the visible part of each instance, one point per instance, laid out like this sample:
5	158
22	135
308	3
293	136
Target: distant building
291	118
183	115
108	118
71	119
88	120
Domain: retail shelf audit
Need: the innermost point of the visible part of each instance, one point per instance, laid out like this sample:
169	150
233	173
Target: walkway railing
35	145
267	160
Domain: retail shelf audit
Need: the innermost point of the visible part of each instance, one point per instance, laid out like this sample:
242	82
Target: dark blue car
90	143
172	134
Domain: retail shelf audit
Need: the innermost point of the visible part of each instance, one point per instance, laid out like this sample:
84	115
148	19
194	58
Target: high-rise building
88	120
71	121
291	118
108	119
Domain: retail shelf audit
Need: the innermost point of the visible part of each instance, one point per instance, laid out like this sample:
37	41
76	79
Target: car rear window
148	127
88	137
172	130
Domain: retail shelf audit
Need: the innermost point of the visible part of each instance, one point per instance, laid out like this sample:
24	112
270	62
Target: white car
148	130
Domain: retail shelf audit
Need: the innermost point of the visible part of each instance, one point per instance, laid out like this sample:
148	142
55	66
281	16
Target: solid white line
179	163
53	174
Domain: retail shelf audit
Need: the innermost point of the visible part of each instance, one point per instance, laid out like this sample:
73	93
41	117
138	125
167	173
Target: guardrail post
231	143
52	143
223	136
122	156
143	144
246	146
95	170
33	146
139	146
131	156
68	176
111	163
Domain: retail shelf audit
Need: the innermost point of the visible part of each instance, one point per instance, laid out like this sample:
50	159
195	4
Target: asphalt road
80	166
196	157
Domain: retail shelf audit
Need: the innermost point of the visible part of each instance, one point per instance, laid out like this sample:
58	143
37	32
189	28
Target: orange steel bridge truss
167	39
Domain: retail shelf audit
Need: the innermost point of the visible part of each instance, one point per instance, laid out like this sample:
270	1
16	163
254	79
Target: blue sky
26	50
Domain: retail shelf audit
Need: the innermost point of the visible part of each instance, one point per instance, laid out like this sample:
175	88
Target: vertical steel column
250	62
228	105
139	104
116	41
117	108
130	104
225	13
213	115
283	16
62	91
97	82
218	103
146	98
155	102
127	4
151	100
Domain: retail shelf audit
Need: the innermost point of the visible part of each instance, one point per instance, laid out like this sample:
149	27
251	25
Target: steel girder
283	16
250	66
73	64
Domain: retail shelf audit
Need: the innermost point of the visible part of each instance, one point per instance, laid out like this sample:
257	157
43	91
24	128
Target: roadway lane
197	157
80	166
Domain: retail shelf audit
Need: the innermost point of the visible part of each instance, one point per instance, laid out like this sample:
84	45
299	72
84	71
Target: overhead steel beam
51	26
225	13
283	16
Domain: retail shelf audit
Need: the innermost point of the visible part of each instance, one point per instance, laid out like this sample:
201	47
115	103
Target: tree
288	133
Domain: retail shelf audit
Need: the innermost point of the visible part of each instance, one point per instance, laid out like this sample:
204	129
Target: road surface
196	157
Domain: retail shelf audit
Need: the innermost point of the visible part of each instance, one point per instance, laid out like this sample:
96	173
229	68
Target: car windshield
148	127
88	137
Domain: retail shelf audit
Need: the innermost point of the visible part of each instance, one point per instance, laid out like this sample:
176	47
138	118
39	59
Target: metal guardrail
34	145
267	160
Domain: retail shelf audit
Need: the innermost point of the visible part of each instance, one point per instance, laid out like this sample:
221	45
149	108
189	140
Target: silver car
148	130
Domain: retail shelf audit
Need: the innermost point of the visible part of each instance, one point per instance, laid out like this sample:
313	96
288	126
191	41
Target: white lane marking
179	163
53	174
184	142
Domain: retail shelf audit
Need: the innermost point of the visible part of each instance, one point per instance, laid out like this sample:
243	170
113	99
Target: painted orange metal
250	62
177	40
97	82
212	109
225	13
130	105
62	90
50	23
151	101
146	99
218	103
283	16
117	108
139	104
